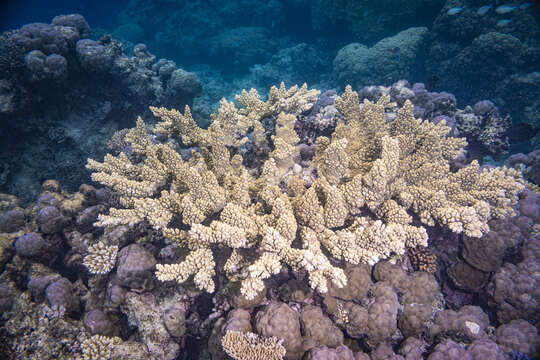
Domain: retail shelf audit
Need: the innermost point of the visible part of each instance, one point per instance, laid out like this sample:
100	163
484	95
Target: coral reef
40	108
529	164
498	57
422	259
246	346
245	44
370	20
386	168
484	126
302	226
390	59
398	309
101	258
160	321
98	347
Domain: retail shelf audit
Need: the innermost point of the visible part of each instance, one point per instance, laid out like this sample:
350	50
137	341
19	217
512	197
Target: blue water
14	14
69	90
475	53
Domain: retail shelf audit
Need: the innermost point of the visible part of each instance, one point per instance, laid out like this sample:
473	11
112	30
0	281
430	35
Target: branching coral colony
373	177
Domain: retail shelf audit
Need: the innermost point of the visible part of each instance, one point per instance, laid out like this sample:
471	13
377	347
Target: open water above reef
323	222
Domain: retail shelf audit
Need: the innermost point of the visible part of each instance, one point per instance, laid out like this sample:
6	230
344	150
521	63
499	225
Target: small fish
454	11
483	9
505	9
525	6
366	12
504	22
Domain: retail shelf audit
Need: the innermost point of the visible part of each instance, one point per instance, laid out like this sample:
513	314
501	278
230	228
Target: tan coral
199	263
137	137
250	346
99	347
333	162
285	141
376	185
101	258
173	122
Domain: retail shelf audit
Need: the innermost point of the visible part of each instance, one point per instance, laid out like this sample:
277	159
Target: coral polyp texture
370	190
99	347
101	258
250	346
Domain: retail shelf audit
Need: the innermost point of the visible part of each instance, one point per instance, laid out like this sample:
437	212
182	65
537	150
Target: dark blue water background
14	13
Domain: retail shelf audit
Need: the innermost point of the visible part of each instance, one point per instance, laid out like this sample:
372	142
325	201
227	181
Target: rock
325	353
185	82
50	220
239	301
73	20
135	267
319	330
97	322
60	294
88	217
93	56
6	297
278	319
37	285
13	220
31	244
115	296
175	322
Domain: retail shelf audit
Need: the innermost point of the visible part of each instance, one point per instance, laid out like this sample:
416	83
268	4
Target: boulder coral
389	60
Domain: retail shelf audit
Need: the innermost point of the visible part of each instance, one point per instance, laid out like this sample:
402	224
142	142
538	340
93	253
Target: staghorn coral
373	177
244	346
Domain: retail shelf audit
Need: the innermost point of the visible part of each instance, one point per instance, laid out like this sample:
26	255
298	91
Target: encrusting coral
373	177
